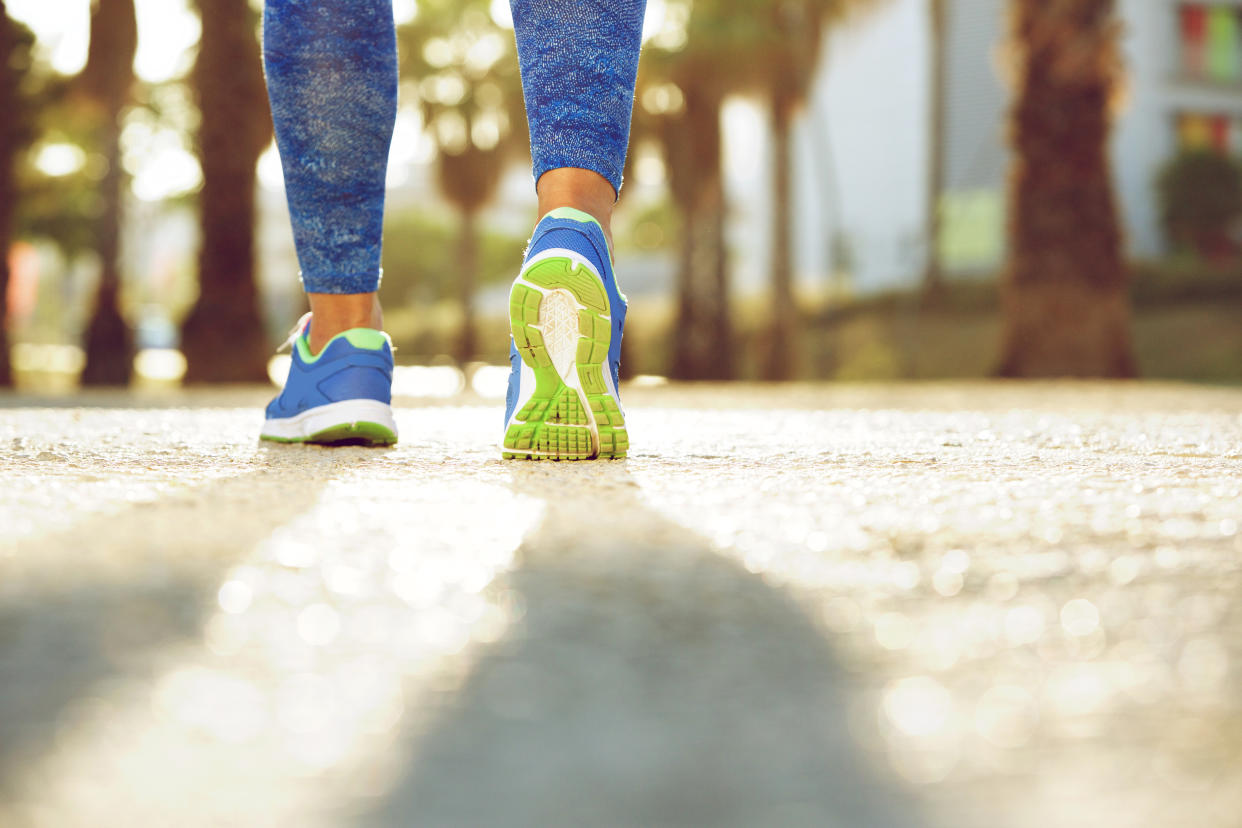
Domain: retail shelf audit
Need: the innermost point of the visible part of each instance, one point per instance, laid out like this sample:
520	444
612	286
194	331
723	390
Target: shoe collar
367	339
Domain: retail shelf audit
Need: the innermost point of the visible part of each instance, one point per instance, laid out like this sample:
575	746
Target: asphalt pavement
992	605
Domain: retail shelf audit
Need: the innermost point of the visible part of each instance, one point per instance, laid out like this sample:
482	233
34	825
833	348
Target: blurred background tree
710	255
15	134
937	148
786	47
684	84
770	50
470	95
103	90
1066	305
223	338
58	206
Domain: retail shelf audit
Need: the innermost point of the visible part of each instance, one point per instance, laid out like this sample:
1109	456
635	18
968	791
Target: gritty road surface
993	606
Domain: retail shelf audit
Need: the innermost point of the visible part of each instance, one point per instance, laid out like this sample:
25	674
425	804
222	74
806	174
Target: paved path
993	606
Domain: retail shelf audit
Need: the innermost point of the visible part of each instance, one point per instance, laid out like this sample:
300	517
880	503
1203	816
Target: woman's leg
579	61
332	79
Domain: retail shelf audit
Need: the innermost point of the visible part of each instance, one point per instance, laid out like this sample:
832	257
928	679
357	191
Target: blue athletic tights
332	80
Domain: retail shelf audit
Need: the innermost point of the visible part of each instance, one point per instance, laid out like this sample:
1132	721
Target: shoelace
294	334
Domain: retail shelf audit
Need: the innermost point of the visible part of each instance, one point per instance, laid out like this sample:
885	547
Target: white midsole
526	390
314	420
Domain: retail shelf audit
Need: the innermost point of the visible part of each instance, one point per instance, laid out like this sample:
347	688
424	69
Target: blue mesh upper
342	372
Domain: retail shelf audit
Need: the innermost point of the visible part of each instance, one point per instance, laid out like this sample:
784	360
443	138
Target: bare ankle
332	314
583	190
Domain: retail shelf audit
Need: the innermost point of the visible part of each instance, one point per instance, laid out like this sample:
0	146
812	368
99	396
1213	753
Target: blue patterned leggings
332	80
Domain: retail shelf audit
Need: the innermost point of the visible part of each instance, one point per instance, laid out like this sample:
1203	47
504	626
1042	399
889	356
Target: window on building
1194	30
1211	38
1208	131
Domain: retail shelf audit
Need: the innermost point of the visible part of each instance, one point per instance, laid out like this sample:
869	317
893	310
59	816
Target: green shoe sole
559	317
346	434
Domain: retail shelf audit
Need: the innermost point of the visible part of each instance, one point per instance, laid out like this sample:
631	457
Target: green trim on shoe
360	433
367	339
574	214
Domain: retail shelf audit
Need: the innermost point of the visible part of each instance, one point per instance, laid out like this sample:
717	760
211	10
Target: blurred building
866	212
1185	61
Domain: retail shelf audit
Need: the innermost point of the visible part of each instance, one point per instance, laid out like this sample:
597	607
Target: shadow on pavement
650	682
96	603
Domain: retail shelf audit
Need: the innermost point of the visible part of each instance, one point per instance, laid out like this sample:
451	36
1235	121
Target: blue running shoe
341	395
566	314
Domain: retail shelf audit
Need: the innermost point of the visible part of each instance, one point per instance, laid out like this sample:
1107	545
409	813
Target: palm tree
1065	303
732	47
104	85
470	94
788	53
469	179
223	336
703	331
691	80
933	276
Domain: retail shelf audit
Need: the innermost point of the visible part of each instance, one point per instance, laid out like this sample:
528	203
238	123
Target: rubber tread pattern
553	424
563	273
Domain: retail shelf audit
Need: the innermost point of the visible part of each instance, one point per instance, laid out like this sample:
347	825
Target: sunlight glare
278	369
404	11
160	364
653	22
743	128
918	706
490	381
170	171
62	30
501	14
271	174
56	160
167	31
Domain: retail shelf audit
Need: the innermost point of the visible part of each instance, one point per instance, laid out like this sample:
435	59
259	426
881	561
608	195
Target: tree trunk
223	337
780	362
933	276
109	342
468	259
703	331
8	194
468	180
1065	301
107	79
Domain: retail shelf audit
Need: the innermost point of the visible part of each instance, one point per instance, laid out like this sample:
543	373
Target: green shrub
421	250
1185	280
1200	196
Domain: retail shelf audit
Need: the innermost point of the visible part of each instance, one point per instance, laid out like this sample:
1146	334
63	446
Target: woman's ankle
583	190
335	313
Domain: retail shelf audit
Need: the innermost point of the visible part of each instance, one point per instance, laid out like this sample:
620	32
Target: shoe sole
350	422
561	325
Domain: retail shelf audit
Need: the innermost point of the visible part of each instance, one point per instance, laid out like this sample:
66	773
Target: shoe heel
571	400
